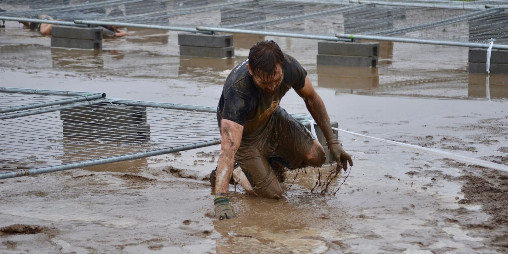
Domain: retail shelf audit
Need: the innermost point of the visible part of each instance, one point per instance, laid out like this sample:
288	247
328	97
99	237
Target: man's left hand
340	155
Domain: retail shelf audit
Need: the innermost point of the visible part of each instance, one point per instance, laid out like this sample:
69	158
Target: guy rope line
441	153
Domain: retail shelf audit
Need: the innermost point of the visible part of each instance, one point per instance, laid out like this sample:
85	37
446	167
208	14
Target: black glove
223	209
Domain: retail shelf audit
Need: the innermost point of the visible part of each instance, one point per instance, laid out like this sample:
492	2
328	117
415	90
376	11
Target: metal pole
258	32
122	24
49	109
26	172
45	21
420	41
462	5
45	92
52	103
166	105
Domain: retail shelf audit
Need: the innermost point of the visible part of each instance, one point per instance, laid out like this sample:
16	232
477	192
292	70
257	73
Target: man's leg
295	144
264	181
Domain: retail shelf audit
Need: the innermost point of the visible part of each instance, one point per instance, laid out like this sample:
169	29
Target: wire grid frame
17	101
414	19
109	131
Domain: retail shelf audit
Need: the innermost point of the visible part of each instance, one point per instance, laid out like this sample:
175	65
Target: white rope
312	128
489	53
444	154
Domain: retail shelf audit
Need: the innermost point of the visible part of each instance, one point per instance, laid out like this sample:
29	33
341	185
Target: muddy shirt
243	102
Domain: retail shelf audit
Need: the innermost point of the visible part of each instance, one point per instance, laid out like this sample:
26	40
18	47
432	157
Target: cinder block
357	61
225	52
365	49
482	68
105	114
205	40
83	33
76	43
105	122
89	131
480	56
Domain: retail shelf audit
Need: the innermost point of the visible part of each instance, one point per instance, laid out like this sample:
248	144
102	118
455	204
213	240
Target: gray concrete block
105	122
480	56
76	43
365	49
104	114
205	40
494	68
83	33
346	60
225	52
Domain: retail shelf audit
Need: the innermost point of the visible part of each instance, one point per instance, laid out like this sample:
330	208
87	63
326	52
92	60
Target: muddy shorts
284	140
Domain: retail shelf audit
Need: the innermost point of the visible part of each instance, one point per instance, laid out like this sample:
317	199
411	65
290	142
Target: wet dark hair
264	57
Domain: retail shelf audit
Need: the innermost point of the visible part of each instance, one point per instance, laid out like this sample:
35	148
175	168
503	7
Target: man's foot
213	177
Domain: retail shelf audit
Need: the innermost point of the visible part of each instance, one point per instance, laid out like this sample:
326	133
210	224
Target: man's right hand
223	209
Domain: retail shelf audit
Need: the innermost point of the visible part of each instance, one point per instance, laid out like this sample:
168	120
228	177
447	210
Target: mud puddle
394	200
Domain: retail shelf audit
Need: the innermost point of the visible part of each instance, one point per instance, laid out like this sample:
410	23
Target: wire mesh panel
89	134
482	20
16	99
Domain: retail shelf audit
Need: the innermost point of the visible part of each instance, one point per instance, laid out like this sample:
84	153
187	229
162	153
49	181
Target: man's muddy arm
317	109
231	134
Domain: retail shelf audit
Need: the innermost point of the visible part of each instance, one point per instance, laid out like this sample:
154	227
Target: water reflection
204	66
494	86
340	77
79	60
245	41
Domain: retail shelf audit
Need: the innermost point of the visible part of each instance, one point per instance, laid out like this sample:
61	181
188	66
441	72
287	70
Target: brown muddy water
395	200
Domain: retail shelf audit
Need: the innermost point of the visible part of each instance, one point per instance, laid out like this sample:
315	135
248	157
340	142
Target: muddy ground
395	199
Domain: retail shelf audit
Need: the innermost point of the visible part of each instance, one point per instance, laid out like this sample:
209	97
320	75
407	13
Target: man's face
269	83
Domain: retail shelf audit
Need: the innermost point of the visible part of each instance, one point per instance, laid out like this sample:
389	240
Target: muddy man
259	134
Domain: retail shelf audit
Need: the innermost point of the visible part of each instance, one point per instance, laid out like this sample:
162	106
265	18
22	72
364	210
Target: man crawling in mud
260	135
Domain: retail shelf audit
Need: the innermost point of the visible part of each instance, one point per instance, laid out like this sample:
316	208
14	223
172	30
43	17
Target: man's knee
269	187
316	156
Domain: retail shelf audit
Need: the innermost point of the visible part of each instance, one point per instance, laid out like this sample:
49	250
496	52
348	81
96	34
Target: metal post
45	21
49	109
257	32
26	172
420	41
122	24
52	103
165	105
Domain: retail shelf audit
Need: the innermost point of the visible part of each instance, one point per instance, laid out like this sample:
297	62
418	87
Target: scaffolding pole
57	102
26	172
122	24
420	41
279	34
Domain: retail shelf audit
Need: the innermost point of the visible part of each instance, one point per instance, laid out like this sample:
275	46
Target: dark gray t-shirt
243	102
